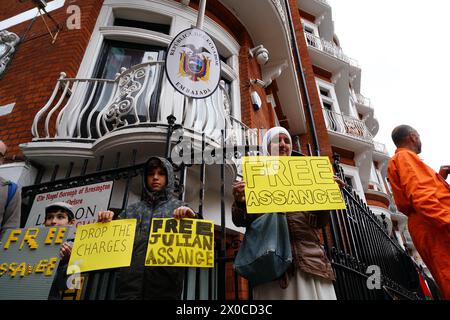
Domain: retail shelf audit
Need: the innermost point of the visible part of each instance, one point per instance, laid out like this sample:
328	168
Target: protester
310	276
138	281
10	199
424	196
60	214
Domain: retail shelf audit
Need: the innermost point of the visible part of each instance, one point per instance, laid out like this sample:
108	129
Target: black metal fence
354	241
361	249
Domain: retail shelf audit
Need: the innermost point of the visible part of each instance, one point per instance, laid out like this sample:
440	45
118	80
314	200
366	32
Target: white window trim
353	173
333	100
311	25
182	17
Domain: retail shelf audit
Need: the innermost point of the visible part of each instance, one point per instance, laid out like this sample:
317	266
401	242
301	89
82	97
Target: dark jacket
304	232
138	281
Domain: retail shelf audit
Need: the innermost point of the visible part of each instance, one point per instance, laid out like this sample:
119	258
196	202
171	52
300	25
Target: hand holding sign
105	216
238	191
183	212
65	251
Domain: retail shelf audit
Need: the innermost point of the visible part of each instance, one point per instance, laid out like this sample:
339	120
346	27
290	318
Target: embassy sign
193	64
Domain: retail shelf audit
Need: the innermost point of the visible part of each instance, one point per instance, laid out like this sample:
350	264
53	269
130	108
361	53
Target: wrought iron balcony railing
88	109
329	48
347	125
363	100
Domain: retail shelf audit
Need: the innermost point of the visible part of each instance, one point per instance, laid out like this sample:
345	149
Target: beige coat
304	232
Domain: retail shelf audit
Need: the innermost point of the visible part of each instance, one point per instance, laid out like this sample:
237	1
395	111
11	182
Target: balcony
360	99
329	48
88	110
347	125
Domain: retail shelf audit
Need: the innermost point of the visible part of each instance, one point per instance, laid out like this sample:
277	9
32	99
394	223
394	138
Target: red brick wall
31	77
305	15
346	156
322	74
319	120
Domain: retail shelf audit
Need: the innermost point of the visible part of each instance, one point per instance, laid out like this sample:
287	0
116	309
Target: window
330	104
114	56
129	34
311	34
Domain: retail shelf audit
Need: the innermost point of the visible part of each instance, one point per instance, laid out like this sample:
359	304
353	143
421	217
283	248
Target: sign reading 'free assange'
193	64
29	260
290	184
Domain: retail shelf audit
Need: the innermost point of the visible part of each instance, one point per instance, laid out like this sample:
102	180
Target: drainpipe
303	80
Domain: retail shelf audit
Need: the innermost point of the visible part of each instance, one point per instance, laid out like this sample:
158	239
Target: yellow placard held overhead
289	184
181	243
102	246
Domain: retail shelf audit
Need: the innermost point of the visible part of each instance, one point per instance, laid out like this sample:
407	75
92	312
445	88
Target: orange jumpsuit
424	196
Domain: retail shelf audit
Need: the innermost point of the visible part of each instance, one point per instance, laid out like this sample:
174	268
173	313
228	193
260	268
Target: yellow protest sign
102	246
181	243
289	184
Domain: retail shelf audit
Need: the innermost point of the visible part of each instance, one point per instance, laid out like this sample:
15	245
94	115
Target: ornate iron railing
347	125
360	246
88	109
329	48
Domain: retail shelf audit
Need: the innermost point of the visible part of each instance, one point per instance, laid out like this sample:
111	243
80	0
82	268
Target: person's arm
11	218
65	251
420	188
239	213
444	171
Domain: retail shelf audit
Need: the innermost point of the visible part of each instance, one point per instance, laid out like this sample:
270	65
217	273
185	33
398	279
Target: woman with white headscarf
310	276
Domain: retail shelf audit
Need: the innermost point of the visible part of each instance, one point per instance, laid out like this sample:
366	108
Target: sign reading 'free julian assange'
193	64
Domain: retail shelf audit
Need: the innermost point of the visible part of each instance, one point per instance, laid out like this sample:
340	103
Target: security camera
261	54
256	100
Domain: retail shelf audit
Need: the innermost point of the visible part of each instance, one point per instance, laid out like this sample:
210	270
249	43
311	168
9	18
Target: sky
403	48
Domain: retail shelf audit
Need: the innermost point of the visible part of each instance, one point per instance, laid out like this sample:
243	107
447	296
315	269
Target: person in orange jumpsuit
424	196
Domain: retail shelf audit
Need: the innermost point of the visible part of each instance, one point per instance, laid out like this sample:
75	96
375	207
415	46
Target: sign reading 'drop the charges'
102	246
29	260
193	64
87	201
289	184
181	243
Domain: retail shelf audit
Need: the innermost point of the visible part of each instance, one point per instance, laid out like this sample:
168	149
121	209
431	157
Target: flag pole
201	14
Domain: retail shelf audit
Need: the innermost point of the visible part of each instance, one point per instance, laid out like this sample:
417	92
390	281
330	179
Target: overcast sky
402	47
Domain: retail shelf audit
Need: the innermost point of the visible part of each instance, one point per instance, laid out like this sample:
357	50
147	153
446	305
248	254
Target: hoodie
139	282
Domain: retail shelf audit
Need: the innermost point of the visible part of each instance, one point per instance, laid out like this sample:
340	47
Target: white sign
193	64
87	201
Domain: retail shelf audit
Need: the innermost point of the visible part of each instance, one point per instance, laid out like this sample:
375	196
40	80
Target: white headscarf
270	134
